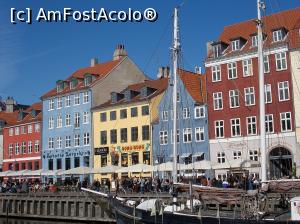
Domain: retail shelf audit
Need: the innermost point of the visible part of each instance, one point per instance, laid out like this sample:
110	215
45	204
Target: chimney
198	70
10	104
163	72
209	47
94	61
120	52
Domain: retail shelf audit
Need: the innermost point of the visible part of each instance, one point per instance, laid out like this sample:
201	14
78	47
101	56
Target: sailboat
215	205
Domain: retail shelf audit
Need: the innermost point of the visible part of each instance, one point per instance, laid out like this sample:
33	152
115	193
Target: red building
22	140
233	94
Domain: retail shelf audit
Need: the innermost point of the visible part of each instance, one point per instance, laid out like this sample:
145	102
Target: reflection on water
30	221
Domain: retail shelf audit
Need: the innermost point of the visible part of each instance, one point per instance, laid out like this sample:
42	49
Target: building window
124	159
187	135
221	157
23	129
86	161
235	45
103	117
217	50
134	158
249	96
11	132
286	121
269	123
235	127
51	123
113	136
199	134
177	136
254	40
123	135
253	155
266	64
86	138
165	115
77	140
145	132
37	146
85	97
186	113
51	104
199	112
237	154
277	35
268	93
145	110
36	165
29	129
146	158
88	80
134	134
67	163
76	99
67	101
68	141
247	67
283	91
178	97
280	59
23	148
232	72
50	164
59	142
219	129
113	115
123	113
29	166
216	73
234	98
68	119
59	121
59	102
251	125
163	137
76	120
218	101
37	127
86	117
58	164
134	112
17	130
76	162
50	143
10	149
103	160
103	137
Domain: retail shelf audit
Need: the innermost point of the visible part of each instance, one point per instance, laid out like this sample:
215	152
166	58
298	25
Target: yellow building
122	126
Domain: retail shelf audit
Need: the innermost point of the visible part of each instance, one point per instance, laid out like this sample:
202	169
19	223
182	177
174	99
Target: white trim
252	137
229	59
22	159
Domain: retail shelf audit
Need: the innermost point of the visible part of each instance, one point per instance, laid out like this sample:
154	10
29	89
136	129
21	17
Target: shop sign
101	151
132	148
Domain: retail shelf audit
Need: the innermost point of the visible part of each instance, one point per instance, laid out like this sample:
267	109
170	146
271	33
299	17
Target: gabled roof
289	19
195	85
160	85
8	117
99	71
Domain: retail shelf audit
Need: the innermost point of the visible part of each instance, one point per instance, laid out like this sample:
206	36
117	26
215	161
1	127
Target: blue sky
33	57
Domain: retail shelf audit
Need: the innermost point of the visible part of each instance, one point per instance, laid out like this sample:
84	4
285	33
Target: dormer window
277	35
87	79
73	83
217	50
59	86
235	45
254	40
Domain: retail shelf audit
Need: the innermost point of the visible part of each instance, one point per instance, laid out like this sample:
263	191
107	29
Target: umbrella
16	173
77	170
50	172
105	169
137	168
200	165
5	173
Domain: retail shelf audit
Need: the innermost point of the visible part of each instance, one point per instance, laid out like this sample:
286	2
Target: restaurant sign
130	148
101	151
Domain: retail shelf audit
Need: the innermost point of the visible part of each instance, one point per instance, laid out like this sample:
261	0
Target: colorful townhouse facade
8	115
122	127
22	140
192	124
67	123
233	94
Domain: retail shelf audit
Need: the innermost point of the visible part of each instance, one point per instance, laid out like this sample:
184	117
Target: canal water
35	221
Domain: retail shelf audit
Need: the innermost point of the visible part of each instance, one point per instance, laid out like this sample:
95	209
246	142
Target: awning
185	155
16	173
138	168
198	154
200	165
76	171
4	174
168	166
106	169
50	172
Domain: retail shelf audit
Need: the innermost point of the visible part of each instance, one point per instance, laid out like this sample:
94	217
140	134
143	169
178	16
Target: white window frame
216	73
68	120
17	148
76	140
59	103
29	147
235	125
237	154
252	124
76	99
199	112
219	125
67	101
234	98
163	137
86	97
266	64
50	143
269	121
37	127
37	146
85	117
187	133
51	104
11	131
10	149
277	35
221	157
86	139
282	88
199	134
285	119
186	114
235	45
177	136
232	70
247	68
254	40
51	123
17	130
218	100
268	93
29	129
249	92
165	115
59	121
76	120
68	141
281	61
253	155
59	142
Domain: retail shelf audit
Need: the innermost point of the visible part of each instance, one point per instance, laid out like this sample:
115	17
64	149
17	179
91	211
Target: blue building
192	125
67	121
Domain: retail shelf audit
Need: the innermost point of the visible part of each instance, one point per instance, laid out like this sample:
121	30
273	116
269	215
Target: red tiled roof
159	84
9	118
289	19
99	70
195	85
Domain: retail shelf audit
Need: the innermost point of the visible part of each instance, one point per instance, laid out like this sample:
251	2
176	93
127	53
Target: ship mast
261	93
175	51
